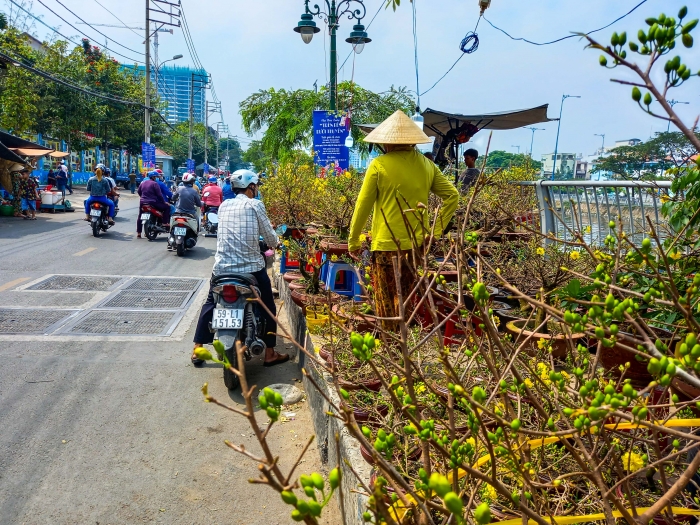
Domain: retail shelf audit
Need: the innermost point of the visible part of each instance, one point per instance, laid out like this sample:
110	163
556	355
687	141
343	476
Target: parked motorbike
211	220
237	318
184	230
99	218
152	221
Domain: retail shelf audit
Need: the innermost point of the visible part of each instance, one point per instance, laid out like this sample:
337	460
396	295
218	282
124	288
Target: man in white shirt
242	221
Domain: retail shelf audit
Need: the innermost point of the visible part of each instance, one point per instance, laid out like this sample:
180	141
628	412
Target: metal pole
556	146
156	63
532	142
147	114
206	129
189	155
332	21
217	151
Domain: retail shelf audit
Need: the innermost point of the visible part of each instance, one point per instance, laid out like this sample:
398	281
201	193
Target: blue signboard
190	165
205	167
330	132
148	152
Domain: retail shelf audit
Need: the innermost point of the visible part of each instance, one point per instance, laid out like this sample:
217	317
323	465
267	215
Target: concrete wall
327	427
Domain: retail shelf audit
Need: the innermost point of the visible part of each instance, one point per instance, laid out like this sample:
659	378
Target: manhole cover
28	321
147	299
101	322
165	285
74	282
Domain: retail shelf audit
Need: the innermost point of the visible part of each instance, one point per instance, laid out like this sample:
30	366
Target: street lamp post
532	142
354	9
673	103
556	146
516	147
602	149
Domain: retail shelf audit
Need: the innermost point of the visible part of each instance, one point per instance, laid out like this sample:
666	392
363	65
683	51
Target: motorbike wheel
180	249
95	229
151	233
230	379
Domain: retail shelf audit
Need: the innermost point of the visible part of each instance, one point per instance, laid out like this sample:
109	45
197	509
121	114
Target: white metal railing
589	206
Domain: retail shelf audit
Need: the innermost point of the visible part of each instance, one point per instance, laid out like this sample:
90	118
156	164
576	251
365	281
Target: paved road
106	432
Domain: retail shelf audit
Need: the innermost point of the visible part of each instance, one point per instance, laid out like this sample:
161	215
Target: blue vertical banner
148	153
330	133
190	165
205	167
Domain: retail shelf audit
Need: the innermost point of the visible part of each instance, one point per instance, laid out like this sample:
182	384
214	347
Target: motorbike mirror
213	218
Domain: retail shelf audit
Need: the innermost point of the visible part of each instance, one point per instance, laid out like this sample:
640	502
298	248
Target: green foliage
666	150
504	159
286	117
177	143
256	157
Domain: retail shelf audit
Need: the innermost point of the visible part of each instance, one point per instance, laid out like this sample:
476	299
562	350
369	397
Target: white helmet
188	178
241	179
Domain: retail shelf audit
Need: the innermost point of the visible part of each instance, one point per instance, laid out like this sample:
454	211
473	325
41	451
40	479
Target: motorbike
152	221
99	215
237	318
183	233
211	220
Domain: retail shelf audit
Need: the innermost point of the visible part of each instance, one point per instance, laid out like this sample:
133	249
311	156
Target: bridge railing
589	206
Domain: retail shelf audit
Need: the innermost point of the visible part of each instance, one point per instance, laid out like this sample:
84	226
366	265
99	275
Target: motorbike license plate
180	231
145	216
227	319
95	213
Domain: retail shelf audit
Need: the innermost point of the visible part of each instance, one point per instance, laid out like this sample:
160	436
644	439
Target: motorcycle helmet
241	179
101	167
212	179
188	178
153	174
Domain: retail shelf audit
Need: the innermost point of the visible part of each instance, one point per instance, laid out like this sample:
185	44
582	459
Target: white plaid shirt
241	223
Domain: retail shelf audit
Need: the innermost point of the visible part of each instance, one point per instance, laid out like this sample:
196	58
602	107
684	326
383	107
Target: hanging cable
120	20
45	24
415	53
97	30
381	4
87	36
569	36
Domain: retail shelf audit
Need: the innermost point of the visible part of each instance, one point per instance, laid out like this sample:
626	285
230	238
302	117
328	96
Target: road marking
84	252
12	284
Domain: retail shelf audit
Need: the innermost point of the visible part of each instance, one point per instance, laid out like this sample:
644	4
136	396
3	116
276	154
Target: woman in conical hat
399	180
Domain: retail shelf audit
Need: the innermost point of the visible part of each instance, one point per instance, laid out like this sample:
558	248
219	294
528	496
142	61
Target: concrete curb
327	427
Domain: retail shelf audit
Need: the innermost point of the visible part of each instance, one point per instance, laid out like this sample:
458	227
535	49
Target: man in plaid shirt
242	221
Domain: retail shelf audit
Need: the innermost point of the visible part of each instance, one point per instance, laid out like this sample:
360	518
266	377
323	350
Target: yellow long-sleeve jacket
394	182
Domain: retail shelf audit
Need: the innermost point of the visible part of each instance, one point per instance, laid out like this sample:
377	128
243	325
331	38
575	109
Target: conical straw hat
397	129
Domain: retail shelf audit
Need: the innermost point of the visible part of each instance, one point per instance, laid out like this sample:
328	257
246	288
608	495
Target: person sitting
167	194
98	187
470	175
212	195
188	201
227	190
152	195
113	194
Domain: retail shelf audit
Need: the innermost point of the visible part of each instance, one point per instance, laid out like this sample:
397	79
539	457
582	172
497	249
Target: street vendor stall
453	129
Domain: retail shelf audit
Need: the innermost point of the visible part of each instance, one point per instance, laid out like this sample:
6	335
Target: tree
176	143
235	161
287	116
256	157
504	159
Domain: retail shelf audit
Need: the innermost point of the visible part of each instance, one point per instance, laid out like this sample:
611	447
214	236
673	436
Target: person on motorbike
113	194
212	196
98	187
227	190
188	200
152	195
167	194
241	223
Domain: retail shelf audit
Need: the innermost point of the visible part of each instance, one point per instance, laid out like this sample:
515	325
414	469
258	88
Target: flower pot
333	247
290	277
612	358
359	321
373	385
361	416
559	342
302	299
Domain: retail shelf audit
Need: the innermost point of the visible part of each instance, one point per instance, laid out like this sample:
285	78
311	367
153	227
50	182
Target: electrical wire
381	4
97	30
86	36
569	36
45	24
415	51
115	16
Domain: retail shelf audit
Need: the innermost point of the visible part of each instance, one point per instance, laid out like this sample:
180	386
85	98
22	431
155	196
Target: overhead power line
120	20
44	23
87	36
97	30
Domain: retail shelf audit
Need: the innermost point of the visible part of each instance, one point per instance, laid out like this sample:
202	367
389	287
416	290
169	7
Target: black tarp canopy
439	123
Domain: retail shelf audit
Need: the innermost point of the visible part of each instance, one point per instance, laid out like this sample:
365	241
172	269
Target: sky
248	45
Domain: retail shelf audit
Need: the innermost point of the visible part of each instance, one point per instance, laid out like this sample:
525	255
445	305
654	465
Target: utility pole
215	108
673	102
556	146
147	115
220	128
532	141
602	149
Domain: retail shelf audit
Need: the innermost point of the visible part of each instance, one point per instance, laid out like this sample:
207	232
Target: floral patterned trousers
386	297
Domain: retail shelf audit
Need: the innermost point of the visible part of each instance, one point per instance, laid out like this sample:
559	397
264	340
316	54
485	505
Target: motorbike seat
247	278
150	209
183	214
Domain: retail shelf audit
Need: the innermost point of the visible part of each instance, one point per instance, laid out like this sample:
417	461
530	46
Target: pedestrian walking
61	182
132	181
69	176
29	194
